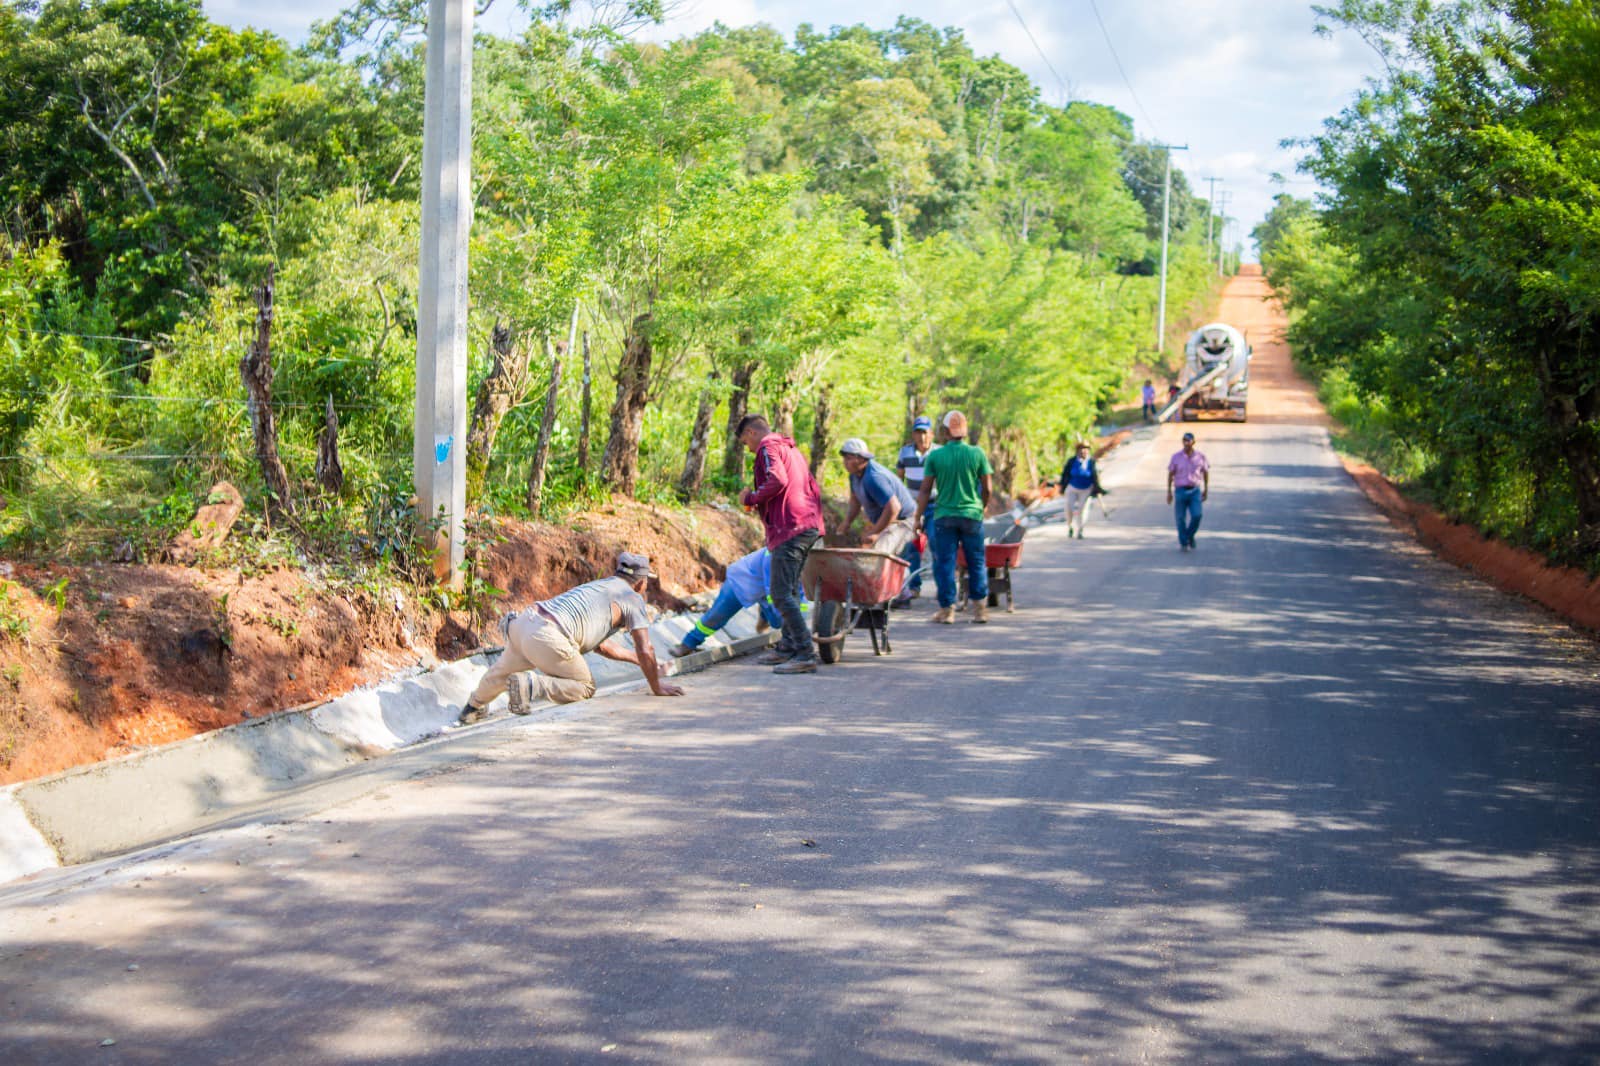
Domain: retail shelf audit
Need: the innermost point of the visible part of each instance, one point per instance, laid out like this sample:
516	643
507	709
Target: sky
1231	79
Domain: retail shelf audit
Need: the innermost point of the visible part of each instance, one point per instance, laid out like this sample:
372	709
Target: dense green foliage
840	230
1449	287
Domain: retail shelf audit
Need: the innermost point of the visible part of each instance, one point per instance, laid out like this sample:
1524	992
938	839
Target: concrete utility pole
440	429
1211	211
1222	235
1166	218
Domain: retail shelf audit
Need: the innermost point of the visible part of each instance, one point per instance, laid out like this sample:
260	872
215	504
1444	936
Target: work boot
944	616
521	690
778	653
678	651
980	611
797	665
471	715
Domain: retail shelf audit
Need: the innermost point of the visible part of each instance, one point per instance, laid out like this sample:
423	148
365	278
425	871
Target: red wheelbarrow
851	587
999	557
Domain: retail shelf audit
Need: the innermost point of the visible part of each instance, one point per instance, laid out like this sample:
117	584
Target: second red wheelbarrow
1001	554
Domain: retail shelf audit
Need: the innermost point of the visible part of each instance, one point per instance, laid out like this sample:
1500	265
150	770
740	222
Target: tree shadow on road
1224	823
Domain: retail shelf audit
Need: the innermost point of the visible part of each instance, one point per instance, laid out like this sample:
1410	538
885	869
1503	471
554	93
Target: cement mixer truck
1217	373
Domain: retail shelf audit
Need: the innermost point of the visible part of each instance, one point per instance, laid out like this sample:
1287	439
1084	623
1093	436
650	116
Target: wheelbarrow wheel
830	631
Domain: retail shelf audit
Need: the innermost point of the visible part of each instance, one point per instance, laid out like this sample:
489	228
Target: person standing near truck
1149	398
1188	485
790	504
963	478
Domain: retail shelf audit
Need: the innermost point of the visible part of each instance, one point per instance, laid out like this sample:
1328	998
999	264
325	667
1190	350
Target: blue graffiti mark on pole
441	449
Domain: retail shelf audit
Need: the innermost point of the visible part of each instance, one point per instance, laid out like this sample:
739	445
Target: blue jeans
967	535
1186	510
723	608
788	559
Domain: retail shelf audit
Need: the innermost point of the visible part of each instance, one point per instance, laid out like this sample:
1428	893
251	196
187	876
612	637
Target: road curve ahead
1304	795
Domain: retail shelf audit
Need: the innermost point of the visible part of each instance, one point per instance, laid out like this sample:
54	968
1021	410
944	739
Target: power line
1118	61
84	336
1060	81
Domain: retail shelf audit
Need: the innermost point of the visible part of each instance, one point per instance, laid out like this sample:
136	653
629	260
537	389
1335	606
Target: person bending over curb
790	504
885	500
748	583
546	643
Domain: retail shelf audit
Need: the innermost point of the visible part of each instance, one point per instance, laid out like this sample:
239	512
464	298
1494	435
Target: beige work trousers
1078	508
533	642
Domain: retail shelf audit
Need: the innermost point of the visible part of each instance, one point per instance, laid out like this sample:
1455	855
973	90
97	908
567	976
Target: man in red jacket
790	504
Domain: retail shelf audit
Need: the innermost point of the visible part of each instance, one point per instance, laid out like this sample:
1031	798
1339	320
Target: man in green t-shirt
963	477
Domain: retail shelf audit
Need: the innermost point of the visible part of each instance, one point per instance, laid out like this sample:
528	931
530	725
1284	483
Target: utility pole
439	430
1166	219
1211	211
1222	235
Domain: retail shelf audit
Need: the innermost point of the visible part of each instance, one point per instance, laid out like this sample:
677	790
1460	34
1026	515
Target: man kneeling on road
545	644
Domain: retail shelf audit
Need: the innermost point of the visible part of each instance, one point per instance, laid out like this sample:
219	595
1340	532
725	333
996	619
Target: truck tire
830	623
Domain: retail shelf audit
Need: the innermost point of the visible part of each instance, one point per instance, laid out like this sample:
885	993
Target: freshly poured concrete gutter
92	812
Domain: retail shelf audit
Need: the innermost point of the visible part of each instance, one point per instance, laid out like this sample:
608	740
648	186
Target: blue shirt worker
882	497
910	465
1080	482
747	583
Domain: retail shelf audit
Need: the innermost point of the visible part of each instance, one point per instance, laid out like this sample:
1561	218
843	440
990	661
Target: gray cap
633	566
855	446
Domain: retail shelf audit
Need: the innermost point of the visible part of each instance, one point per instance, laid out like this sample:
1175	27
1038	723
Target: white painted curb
92	812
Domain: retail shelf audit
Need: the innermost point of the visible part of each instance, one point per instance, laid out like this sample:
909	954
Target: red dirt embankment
123	657
1278	394
1566	590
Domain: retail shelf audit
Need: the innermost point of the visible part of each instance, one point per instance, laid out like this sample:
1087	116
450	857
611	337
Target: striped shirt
584	613
912	463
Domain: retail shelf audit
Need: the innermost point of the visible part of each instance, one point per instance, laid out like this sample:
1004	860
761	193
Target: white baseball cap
855	446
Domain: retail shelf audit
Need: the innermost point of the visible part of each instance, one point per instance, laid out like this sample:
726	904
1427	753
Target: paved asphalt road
1306	795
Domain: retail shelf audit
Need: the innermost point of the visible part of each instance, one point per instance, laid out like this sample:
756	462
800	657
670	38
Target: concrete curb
93	812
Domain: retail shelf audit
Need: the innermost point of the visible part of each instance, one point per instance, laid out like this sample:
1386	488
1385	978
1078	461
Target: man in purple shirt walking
790	504
1188	483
